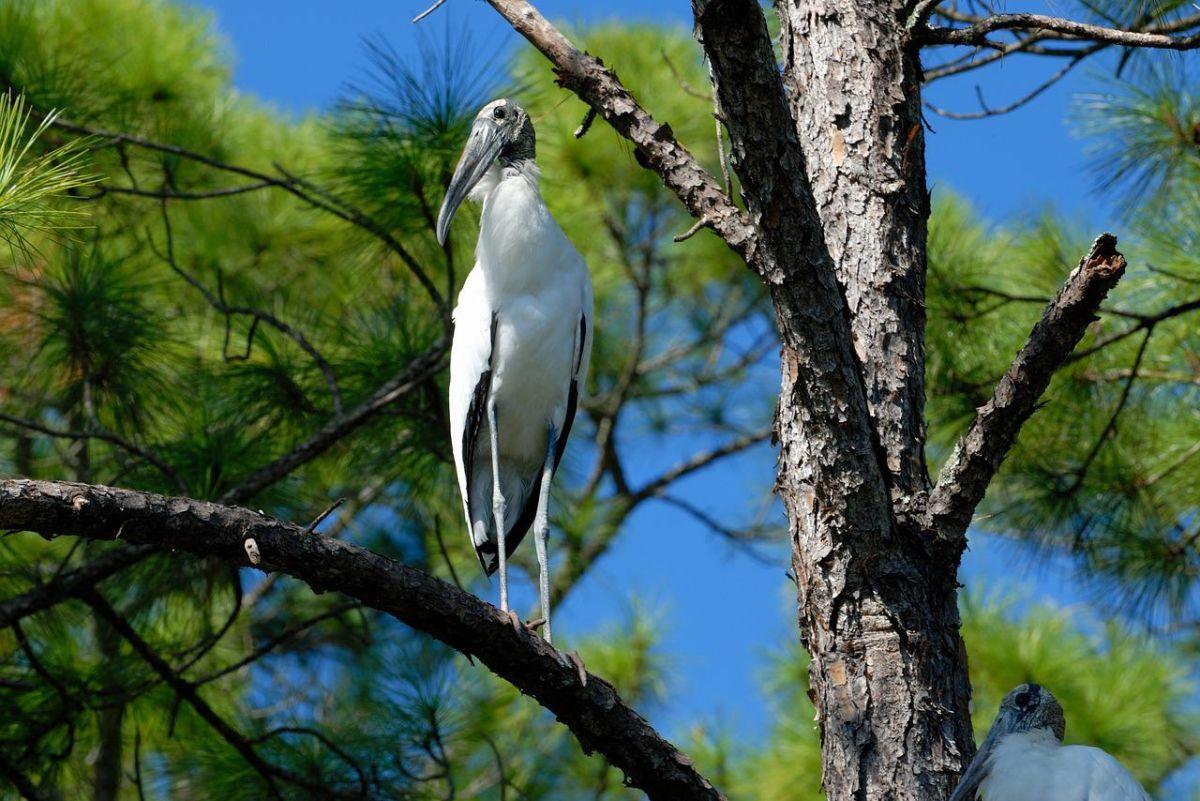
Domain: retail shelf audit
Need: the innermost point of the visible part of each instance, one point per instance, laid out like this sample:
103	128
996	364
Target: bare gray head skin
501	133
1029	707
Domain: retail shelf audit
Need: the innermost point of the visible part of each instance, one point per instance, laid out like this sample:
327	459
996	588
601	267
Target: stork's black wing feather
475	416
572	394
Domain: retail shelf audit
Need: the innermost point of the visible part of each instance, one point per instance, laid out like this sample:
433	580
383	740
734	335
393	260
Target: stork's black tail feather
486	552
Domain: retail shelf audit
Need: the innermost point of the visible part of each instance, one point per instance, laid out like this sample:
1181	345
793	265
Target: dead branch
979	452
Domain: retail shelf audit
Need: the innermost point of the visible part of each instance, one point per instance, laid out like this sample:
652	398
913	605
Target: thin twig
274	642
321	517
437	533
690	232
438	4
1111	425
722	157
164	194
1013	106
742	540
302	190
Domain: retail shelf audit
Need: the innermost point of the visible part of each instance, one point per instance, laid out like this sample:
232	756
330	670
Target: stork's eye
498	112
1022	700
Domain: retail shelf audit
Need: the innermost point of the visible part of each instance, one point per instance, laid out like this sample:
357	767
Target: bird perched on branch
1023	759
522	341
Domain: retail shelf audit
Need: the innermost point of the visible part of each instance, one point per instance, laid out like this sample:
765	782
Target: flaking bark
979	452
878	613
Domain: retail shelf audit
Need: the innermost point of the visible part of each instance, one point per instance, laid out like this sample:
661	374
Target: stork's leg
498	504
541	529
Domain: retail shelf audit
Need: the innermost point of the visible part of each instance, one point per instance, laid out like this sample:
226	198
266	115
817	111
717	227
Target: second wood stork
1023	759
522	342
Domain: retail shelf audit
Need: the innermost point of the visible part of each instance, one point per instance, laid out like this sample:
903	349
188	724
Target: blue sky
724	612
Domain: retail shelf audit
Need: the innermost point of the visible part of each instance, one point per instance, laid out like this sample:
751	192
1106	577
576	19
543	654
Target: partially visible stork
522	341
1023	759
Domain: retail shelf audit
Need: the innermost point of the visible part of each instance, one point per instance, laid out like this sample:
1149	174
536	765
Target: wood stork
522	342
1023	759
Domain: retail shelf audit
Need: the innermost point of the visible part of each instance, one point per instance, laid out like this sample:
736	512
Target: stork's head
1029	707
502	132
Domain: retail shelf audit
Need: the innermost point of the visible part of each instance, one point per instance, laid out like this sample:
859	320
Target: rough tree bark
876	613
880	617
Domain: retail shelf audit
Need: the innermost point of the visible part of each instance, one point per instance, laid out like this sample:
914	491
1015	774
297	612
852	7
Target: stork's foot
535	624
515	620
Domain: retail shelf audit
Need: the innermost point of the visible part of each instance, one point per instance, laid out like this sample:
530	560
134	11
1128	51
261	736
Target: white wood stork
522	342
1023	759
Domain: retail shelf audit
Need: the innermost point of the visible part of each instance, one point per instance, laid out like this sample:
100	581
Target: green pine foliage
32	182
1107	469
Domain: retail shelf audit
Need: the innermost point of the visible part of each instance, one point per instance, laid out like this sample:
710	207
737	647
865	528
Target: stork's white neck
1014	747
526	169
520	245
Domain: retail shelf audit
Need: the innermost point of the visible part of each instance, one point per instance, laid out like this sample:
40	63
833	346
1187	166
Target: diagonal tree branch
185	690
596	715
297	187
341	425
70	584
655	146
20	781
978	454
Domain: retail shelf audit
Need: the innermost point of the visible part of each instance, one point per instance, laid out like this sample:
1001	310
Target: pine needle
32	183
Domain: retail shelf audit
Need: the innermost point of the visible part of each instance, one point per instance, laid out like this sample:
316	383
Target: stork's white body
532	282
1035	766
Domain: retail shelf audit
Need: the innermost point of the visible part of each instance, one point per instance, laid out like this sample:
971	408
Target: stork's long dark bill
482	148
968	785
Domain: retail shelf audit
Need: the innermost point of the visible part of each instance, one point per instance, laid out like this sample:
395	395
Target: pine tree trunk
877	604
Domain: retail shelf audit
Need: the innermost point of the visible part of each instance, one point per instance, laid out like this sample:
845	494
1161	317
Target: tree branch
655	146
985	111
977	34
412	376
699	461
596	715
302	190
978	454
19	780
69	585
104	436
186	691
